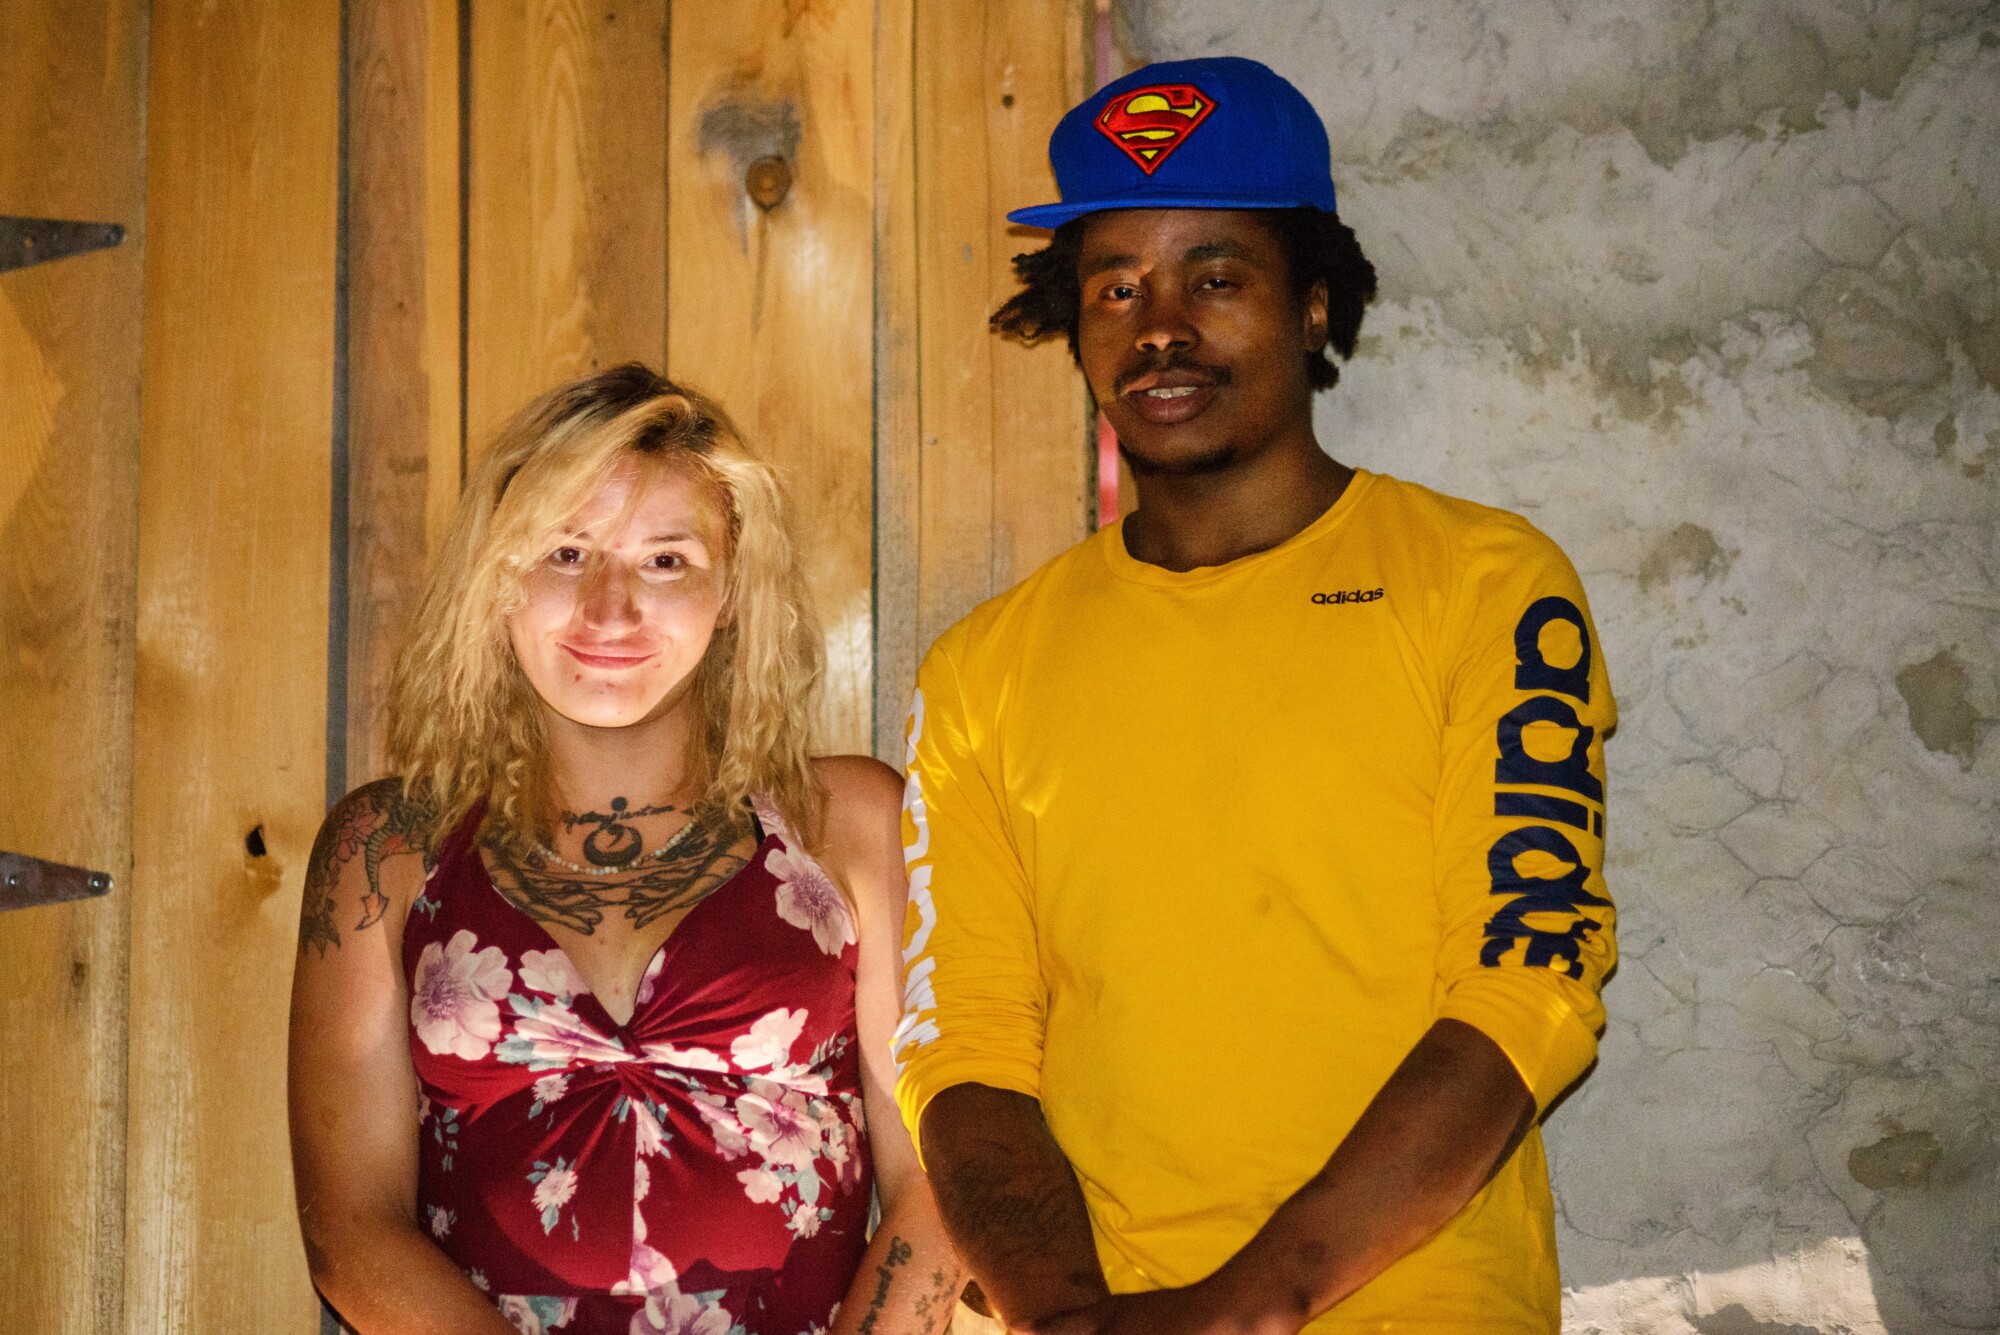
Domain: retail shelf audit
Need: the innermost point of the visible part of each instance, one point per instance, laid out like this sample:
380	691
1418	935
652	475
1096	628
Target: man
1255	842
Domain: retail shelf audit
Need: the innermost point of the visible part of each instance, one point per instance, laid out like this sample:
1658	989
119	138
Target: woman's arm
353	1090
910	1278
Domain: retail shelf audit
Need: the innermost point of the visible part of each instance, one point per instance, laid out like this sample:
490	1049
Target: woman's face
622	606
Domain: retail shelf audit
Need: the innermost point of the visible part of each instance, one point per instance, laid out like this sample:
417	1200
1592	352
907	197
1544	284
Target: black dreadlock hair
1318	247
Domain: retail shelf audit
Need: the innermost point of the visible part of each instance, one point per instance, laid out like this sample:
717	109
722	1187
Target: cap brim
1055	215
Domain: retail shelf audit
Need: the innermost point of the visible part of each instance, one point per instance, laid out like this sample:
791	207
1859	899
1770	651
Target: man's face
1190	337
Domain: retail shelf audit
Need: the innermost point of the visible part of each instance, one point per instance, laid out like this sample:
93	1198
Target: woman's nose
608	597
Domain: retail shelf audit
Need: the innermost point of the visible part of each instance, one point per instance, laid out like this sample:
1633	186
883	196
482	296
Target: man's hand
1445	1122
1198	1309
1447	1119
1011	1203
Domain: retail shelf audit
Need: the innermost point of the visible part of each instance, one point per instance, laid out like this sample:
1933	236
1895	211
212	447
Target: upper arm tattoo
373	823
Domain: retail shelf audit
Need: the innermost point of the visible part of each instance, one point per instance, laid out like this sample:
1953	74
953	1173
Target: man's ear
1315	330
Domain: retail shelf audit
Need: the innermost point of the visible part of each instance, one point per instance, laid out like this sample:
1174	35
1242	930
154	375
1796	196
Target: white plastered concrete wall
1706	289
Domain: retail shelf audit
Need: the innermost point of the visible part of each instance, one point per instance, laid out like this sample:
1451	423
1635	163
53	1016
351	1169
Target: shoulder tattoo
373	824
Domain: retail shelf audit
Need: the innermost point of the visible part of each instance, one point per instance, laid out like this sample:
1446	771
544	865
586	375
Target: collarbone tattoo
704	860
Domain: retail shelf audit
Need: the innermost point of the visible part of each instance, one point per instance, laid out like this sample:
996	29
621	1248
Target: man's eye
1121	292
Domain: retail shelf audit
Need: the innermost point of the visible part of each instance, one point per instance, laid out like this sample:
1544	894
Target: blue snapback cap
1216	133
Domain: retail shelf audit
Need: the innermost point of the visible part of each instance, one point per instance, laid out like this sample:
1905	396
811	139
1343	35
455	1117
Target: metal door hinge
26	241
26	882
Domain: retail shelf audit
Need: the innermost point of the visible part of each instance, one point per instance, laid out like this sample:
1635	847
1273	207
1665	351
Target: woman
591	1020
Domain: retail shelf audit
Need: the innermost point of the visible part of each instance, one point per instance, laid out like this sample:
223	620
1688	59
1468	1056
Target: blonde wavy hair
464	722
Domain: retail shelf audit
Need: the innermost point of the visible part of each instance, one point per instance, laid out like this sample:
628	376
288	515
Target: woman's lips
605	660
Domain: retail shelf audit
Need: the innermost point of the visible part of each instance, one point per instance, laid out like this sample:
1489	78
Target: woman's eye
566	556
667	561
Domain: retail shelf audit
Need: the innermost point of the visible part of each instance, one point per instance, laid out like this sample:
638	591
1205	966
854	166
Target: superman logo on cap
1150	123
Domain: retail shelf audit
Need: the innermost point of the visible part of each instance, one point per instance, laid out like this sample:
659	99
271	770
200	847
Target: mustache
1173	361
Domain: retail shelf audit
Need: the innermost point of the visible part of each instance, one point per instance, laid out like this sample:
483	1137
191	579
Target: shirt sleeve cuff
928	1074
1526	1015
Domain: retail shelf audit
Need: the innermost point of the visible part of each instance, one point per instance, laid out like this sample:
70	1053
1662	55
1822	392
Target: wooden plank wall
237	405
405	399
509	226
567	204
769	309
69	492
984	460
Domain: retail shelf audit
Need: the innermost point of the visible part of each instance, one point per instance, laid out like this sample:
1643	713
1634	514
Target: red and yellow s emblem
1150	123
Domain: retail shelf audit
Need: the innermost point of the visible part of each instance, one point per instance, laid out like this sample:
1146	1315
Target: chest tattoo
701	861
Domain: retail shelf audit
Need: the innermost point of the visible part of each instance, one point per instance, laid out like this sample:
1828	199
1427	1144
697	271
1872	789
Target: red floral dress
700	1170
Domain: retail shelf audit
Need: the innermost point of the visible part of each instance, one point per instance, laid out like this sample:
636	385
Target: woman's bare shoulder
862	840
859	786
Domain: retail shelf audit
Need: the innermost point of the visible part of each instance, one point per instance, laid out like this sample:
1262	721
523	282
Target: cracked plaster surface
1707	291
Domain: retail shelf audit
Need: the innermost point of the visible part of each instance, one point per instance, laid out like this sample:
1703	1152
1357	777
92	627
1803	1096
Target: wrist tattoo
899	1253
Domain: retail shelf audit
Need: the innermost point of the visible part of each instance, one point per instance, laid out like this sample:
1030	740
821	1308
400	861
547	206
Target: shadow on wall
1707	290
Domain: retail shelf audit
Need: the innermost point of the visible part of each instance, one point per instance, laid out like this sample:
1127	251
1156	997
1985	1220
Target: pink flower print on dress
550	971
554	1185
672	1312
781	1125
455	996
650	1271
769	1042
650	980
761	1185
688	1059
536	1316
809	900
842	1145
772	819
549	1036
650	1137
731	1141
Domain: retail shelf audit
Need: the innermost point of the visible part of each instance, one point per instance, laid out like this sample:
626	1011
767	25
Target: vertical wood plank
898	408
1005	457
230	712
403	334
771	311
72	77
1044	445
568	196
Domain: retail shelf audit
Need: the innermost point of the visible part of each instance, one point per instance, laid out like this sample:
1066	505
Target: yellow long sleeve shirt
1196	858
